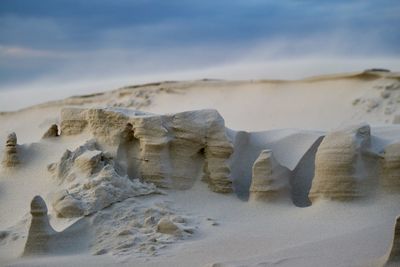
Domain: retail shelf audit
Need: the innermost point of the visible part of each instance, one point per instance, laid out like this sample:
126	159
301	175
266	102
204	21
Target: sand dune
207	173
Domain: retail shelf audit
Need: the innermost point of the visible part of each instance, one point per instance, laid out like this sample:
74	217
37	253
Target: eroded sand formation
51	132
167	150
89	182
10	157
340	164
173	151
140	228
390	173
109	182
270	180
40	232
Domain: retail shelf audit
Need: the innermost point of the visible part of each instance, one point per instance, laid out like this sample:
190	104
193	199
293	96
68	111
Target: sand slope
288	117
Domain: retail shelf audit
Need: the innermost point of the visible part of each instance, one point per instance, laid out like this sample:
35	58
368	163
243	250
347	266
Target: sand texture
339	164
165	149
390	176
269	180
206	173
10	157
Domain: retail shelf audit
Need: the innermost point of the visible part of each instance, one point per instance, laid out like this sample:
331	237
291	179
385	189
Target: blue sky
71	40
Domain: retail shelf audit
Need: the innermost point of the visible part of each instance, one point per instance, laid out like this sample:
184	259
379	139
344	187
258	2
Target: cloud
16	52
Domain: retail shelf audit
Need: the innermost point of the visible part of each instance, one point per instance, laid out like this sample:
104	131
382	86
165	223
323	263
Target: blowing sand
170	185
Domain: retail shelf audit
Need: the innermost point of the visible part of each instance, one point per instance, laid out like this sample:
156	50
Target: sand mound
134	226
131	226
88	182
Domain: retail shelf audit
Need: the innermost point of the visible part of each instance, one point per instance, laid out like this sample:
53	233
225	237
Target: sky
56	48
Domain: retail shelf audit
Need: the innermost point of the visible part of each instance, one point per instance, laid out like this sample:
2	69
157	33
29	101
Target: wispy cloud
16	52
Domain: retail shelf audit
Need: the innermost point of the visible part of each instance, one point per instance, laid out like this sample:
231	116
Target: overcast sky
79	46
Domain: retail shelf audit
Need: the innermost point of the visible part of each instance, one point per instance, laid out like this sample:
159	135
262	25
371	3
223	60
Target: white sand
327	233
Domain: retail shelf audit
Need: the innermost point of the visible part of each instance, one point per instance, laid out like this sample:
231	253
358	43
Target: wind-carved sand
51	132
133	187
341	164
10	157
89	182
390	168
40	231
167	149
145	231
269	180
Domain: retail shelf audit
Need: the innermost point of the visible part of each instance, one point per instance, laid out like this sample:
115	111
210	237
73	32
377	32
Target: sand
287	117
